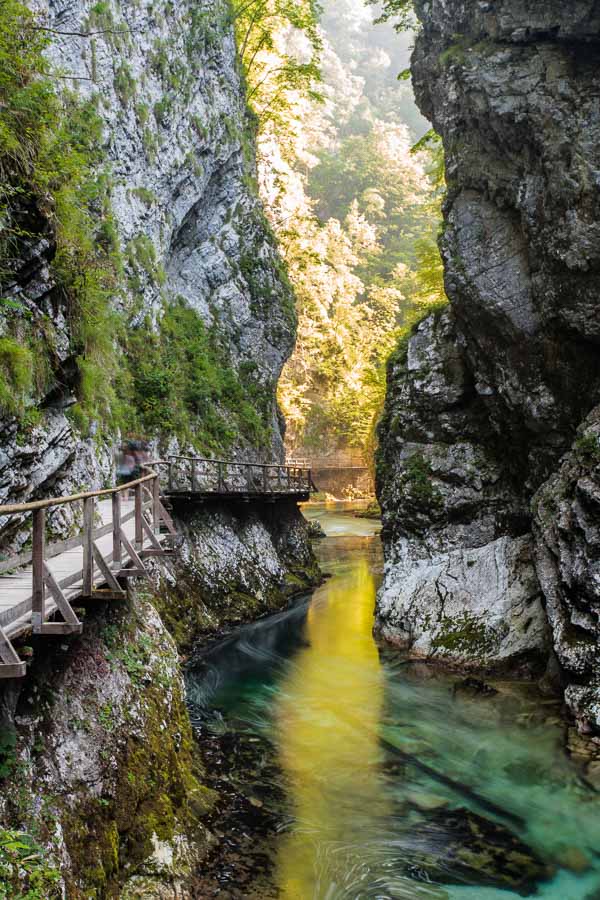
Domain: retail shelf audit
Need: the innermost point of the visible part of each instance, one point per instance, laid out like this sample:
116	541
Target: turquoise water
398	783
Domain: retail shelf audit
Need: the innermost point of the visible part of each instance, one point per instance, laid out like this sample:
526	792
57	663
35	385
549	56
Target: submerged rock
460	847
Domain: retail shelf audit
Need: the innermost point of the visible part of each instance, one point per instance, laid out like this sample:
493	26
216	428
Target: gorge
217	217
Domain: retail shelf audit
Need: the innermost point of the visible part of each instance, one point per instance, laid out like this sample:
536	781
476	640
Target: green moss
16	375
183	384
466	635
124	84
456	53
417	485
587	448
145	195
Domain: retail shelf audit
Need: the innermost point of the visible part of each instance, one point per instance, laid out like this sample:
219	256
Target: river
363	775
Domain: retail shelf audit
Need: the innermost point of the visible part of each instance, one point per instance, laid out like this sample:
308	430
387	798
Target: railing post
116	525
156	504
220	477
264	471
88	540
38	612
289	478
193	472
139	529
171	476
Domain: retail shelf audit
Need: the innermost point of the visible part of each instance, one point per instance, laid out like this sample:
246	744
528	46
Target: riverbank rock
479	456
315	529
478	608
470	849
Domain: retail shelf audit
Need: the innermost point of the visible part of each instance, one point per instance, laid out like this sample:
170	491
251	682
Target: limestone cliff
142	293
148	252
487	477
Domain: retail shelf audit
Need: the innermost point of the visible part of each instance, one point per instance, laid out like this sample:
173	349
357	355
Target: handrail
12	508
233	462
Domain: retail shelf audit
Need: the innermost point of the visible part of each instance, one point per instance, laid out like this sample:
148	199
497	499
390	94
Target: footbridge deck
117	529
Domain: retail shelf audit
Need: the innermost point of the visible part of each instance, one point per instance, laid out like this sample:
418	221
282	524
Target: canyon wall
157	129
142	287
489	467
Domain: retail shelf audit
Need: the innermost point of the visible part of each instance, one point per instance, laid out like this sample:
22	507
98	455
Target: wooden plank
87	543
107	594
11	666
38	612
105	569
139	533
133	556
116	527
133	572
151	536
166	518
71	620
60	628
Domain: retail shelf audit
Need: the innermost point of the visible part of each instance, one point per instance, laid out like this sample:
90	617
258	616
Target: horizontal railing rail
197	474
48	577
341	459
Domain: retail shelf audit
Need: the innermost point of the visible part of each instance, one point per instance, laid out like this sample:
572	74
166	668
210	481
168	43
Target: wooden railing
148	514
68	569
198	475
340	459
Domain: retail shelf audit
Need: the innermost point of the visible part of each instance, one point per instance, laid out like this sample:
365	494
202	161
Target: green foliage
184	385
363	277
400	12
16	378
274	78
25	873
50	174
8	758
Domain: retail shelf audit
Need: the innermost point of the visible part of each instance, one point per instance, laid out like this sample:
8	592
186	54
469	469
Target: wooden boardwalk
121	527
66	568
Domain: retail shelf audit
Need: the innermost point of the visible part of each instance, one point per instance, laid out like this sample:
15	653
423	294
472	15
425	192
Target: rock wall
99	772
101	788
178	157
489	500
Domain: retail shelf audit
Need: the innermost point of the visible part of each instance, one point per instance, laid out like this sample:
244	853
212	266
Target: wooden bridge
120	527
352	458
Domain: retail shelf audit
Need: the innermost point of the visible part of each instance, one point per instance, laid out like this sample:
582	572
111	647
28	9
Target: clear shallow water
396	784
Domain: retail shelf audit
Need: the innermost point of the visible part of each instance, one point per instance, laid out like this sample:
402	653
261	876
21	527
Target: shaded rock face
103	771
179	155
488	398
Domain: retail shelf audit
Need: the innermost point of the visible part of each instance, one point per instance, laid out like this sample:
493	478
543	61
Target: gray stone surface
181	164
479	608
489	396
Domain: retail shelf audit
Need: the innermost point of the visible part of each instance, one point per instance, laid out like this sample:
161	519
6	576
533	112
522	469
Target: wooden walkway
120	528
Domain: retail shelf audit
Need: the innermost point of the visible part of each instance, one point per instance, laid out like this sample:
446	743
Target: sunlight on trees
354	204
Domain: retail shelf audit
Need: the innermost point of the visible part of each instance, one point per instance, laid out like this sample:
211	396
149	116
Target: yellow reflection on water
326	718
